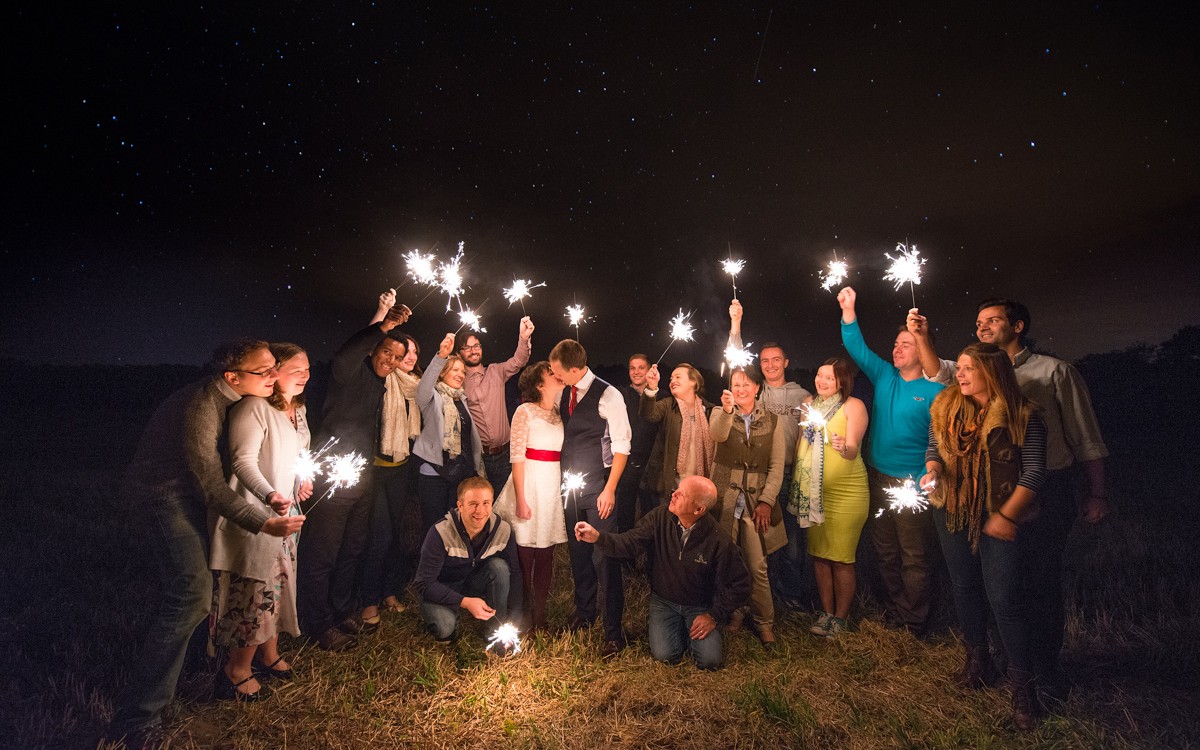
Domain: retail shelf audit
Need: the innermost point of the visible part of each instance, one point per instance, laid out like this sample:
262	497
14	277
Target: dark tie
571	406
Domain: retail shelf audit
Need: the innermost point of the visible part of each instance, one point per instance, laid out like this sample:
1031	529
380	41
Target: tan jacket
753	466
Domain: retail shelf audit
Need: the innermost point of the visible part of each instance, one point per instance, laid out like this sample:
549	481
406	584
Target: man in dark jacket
468	561
697	578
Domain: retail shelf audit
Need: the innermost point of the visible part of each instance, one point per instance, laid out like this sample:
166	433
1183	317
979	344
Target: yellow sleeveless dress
844	498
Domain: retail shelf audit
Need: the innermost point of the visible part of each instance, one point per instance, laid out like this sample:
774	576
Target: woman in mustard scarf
985	464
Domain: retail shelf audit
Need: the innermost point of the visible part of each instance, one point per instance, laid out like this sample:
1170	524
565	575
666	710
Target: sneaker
821	626
837	626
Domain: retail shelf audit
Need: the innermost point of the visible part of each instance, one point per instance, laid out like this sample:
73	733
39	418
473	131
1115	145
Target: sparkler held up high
681	330
575	316
837	273
905	268
733	268
520	289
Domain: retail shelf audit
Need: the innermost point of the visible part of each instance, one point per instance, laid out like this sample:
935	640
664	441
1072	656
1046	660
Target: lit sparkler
470	319
572	484
681	330
816	420
733	268
420	267
905	268
907	496
735	358
837	273
450	279
520	289
341	472
507	636
575	316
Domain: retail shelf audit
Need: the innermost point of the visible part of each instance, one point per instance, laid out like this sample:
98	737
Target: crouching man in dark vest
469	561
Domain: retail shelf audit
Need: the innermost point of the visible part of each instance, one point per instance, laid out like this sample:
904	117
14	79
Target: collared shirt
684	533
611	406
1072	430
485	395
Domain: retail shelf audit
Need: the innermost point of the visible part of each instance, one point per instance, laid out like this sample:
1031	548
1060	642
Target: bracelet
1006	518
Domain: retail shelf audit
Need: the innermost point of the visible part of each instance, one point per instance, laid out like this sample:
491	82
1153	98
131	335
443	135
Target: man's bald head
695	496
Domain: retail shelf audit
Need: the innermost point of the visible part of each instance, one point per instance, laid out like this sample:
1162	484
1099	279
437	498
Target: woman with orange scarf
985	464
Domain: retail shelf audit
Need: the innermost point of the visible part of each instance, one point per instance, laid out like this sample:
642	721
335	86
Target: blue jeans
490	581
786	565
670	627
178	534
498	469
991	577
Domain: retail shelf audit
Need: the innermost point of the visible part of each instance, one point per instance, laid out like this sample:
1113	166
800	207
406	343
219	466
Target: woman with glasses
254	591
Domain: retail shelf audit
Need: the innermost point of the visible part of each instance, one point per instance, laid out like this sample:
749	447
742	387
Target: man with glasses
175	479
486	397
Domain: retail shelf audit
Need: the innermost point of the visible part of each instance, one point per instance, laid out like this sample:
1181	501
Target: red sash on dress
534	454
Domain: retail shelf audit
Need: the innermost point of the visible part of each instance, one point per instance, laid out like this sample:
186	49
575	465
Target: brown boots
978	670
1027	711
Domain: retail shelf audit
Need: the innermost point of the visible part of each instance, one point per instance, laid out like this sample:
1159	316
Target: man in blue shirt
896	442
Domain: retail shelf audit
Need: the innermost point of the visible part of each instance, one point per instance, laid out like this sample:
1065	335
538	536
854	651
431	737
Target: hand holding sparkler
526	330
282	525
846	299
585	532
446	347
386	300
478	608
653	377
917	324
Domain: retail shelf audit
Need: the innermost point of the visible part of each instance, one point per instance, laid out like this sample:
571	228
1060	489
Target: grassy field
77	589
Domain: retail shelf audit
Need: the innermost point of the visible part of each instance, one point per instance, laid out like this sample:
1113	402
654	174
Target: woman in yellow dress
829	490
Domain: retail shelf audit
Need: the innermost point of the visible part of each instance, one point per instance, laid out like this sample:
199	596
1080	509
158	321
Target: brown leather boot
1027	712
978	670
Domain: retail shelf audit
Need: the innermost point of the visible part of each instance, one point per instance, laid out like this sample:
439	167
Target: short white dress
536	440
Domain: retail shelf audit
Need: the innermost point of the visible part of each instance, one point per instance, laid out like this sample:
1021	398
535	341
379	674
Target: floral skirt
248	612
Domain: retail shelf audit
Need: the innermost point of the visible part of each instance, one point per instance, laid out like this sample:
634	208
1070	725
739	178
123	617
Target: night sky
182	174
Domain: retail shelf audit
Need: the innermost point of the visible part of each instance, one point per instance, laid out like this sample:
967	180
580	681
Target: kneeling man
697	578
468	561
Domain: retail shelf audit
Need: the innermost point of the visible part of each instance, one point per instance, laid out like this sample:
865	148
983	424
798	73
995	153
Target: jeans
389	559
670	626
991	577
593	571
331	547
786	565
491	581
178	534
907	558
498	469
437	498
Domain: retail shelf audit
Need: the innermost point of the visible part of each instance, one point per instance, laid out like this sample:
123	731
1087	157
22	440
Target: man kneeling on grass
697	578
468	561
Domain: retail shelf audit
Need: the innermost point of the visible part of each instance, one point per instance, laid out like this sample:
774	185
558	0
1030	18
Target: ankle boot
978	670
1026	709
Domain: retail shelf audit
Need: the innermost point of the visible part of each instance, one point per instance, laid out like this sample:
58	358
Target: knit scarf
694	430
808	473
401	420
452	433
982	461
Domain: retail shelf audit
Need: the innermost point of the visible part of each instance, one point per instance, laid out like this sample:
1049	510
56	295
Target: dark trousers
786	566
593	571
991	576
904	544
389	560
331	546
633	500
1044	540
498	469
177	533
437	498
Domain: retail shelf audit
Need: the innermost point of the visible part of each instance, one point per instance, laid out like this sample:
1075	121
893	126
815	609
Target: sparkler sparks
575	315
307	466
420	267
520	289
815	419
681	330
907	496
506	636
837	273
450	279
341	472
572	483
470	319
733	268
736	357
905	268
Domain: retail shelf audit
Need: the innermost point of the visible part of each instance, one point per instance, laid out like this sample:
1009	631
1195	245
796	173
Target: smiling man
469	561
175	478
333	543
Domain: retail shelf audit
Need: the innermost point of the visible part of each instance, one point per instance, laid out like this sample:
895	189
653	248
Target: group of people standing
725	502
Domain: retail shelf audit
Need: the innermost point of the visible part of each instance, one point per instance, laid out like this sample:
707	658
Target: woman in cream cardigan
748	471
254	591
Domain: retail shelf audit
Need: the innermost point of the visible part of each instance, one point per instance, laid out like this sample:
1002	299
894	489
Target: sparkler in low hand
341	472
681	330
520	289
507	636
905	268
815	419
572	485
908	496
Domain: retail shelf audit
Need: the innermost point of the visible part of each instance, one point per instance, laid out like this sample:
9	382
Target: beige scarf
401	418
452	433
694	429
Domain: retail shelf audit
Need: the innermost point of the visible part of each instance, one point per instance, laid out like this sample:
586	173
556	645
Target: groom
596	436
